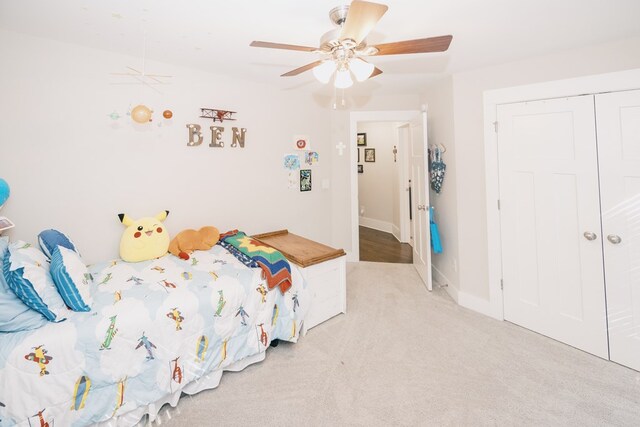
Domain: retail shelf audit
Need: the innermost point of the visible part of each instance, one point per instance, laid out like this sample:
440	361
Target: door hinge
498	204
501	284
495	127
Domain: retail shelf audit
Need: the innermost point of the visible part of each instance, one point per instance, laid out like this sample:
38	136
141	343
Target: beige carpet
404	356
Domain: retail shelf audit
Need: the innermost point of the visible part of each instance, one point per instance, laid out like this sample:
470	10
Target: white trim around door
354	118
602	83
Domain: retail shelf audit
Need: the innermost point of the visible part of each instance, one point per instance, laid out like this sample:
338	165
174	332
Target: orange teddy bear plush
187	241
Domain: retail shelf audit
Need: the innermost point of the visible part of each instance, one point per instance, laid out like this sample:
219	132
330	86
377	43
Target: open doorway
383	192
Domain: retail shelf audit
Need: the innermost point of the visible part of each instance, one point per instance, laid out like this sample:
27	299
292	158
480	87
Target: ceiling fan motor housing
339	14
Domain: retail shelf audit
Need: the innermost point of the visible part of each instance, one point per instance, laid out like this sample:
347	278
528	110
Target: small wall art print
301	142
305	179
362	139
5	223
369	154
291	162
311	157
360	169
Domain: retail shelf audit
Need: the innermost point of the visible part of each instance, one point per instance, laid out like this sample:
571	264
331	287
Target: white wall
72	168
377	186
468	161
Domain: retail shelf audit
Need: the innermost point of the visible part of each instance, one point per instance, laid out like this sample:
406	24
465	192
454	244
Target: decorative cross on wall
341	148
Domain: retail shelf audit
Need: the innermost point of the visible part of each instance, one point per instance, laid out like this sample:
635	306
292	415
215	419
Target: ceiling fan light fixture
343	47
361	69
343	79
324	71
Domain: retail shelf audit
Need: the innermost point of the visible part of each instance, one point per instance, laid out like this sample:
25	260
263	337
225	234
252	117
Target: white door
550	221
420	198
619	155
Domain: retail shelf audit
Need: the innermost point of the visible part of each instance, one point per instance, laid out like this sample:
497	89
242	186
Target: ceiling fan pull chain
335	98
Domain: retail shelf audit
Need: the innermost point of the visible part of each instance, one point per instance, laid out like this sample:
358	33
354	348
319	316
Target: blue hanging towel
435	235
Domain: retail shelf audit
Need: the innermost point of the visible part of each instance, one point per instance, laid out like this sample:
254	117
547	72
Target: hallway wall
378	184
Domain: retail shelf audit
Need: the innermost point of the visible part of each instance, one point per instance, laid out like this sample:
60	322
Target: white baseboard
396	232
376	224
475	303
439	278
464	299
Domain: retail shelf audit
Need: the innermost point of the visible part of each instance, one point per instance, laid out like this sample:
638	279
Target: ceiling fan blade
361	19
154	79
283	46
431	44
376	72
302	69
158	75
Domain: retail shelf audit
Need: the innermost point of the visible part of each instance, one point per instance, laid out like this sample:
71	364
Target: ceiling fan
343	48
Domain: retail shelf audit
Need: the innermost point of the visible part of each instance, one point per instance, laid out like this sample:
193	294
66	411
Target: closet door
550	221
618	116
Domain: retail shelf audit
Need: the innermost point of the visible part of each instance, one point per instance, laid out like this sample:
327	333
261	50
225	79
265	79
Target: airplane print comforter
154	327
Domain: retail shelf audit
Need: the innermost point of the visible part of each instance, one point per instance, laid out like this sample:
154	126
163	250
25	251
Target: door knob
614	239
590	235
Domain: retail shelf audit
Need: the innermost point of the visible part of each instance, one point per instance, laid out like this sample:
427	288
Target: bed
156	329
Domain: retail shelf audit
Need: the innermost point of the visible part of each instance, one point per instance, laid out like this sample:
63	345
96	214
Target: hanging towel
437	170
435	235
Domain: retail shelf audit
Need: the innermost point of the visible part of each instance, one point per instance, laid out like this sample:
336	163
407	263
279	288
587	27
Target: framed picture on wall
305	179
358	155
5	223
360	169
301	142
362	140
369	154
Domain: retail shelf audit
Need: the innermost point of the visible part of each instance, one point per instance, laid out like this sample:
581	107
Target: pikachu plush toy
144	239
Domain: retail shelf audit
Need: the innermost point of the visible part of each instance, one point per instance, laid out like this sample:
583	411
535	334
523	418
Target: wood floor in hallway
379	246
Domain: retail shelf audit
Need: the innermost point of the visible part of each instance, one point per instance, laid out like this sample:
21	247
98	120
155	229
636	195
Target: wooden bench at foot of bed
323	268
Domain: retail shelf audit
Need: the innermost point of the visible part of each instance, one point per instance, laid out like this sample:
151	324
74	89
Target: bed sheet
154	327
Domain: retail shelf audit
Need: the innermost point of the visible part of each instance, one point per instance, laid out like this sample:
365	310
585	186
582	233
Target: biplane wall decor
216	115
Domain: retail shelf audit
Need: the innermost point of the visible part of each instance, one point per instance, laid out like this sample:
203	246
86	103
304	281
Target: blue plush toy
4	192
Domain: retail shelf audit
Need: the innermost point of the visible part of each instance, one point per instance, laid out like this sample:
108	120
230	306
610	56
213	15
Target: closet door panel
618	116
553	275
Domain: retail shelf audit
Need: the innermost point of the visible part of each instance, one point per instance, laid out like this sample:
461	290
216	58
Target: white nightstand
324	269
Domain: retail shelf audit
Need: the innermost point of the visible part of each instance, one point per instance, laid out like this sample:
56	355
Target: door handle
614	239
590	235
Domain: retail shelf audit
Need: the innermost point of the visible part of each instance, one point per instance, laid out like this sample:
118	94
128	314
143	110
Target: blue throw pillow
71	278
26	271
15	316
49	240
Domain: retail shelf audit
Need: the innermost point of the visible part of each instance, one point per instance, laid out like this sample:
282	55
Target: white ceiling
214	35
